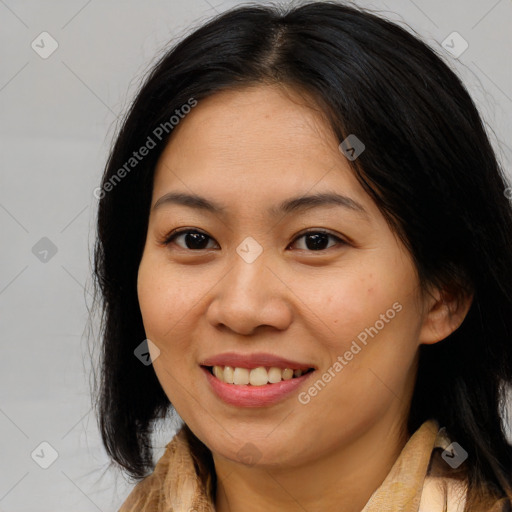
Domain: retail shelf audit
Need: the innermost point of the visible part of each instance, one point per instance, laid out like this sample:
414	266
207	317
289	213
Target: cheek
159	303
376	304
166	314
343	306
151	295
165	295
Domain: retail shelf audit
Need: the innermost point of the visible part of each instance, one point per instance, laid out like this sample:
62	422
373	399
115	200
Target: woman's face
260	287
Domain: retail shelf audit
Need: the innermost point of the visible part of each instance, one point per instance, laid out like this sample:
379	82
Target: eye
195	240
316	240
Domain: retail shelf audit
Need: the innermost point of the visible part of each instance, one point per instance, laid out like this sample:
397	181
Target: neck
342	479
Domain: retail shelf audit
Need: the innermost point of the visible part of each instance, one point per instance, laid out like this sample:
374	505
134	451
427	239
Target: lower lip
254	396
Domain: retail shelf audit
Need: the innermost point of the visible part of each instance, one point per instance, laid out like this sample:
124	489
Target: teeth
287	374
275	375
217	371
229	374
241	376
255	376
258	377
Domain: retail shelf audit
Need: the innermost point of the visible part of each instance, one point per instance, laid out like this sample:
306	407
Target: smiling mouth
259	376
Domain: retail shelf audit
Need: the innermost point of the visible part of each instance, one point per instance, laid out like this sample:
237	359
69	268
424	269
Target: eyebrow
292	205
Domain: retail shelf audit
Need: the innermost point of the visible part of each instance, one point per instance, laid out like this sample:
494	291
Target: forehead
235	124
257	142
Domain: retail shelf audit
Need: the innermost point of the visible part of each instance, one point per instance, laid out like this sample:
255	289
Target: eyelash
174	234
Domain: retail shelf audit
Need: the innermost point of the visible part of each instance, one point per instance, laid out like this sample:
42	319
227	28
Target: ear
444	313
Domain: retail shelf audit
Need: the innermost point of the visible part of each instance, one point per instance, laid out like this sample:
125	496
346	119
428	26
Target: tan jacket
417	481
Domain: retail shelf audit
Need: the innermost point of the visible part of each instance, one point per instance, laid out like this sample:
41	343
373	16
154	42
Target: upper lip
254	361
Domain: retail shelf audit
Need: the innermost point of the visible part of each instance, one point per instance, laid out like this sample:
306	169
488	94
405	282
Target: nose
251	297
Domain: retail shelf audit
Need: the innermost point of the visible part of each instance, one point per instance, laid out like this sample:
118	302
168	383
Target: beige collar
409	486
174	485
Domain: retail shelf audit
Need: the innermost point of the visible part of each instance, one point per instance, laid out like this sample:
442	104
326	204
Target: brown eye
192	239
317	240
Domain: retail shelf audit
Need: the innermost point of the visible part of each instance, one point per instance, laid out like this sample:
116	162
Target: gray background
58	117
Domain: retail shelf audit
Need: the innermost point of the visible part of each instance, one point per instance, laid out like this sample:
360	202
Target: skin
250	149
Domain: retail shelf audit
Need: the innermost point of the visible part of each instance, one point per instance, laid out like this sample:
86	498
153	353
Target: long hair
428	165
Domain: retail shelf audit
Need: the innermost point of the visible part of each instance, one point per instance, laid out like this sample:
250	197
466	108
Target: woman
303	226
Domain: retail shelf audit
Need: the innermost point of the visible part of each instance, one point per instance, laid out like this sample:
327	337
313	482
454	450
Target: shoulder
148	494
446	484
